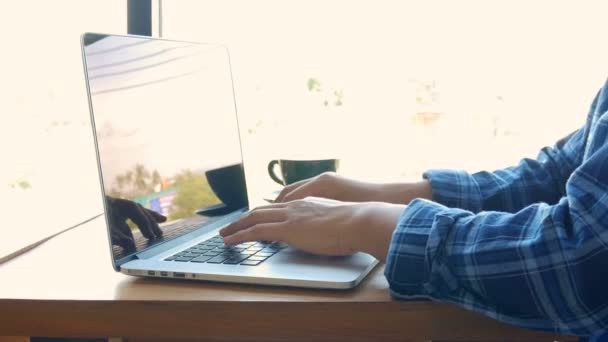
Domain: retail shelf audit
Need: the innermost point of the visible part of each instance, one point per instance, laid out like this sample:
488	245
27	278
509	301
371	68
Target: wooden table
66	287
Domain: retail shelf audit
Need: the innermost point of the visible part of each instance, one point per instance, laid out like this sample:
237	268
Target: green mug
297	170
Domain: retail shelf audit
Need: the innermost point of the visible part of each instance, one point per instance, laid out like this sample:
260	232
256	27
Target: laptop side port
179	275
151	273
164	274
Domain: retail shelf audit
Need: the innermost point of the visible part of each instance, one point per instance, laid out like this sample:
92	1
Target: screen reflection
166	135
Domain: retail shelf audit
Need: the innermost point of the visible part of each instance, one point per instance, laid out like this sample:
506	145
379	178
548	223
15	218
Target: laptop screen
167	137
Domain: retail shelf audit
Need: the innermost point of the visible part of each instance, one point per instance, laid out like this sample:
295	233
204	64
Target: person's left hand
320	226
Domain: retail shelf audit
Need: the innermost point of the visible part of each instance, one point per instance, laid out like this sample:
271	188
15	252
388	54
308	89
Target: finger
263	231
289	188
306	190
152	225
270	206
256	216
121	234
121	241
156	216
138	215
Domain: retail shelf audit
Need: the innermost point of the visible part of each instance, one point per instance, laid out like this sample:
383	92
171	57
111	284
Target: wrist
373	230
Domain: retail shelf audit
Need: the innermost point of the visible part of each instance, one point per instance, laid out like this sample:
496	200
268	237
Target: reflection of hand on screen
119	210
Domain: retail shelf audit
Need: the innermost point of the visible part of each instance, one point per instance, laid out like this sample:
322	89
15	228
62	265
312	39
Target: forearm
400	193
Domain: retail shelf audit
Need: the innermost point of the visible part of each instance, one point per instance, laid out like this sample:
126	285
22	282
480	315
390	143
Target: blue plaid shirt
527	245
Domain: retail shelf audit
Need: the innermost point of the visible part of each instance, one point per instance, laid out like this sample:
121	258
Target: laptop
167	139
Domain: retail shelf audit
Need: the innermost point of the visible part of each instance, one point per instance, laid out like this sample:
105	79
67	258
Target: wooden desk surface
67	287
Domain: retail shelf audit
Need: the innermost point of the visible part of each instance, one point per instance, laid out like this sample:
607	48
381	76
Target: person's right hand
320	226
119	210
333	186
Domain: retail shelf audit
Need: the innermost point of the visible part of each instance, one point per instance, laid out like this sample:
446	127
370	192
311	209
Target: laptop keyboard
170	231
214	251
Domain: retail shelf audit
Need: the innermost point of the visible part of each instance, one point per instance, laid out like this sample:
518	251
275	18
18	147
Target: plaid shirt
527	245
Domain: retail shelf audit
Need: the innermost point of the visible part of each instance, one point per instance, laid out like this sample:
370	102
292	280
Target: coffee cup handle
272	174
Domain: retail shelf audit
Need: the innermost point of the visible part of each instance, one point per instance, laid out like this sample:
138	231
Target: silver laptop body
166	136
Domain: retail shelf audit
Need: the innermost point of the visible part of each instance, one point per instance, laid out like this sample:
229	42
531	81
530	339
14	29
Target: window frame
139	17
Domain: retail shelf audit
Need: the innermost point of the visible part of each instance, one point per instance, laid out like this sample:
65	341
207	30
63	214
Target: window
397	87
48	178
392	88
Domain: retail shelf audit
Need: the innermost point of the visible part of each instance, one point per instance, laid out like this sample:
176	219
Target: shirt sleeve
542	267
534	180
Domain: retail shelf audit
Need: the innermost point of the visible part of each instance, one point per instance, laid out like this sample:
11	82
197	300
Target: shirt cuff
455	189
414	263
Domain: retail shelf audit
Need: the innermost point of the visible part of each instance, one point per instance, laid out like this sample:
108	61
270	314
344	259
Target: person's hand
147	221
333	186
320	226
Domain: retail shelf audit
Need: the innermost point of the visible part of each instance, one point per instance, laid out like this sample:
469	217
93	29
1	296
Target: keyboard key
231	262
201	258
171	258
236	259
248	252
250	262
183	259
218	259
257	258
254	249
262	254
279	245
201	251
232	249
212	253
270	250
